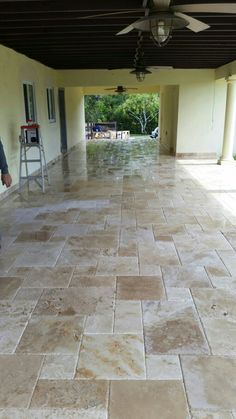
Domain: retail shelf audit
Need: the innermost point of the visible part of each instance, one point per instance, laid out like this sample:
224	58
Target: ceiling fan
121	89
163	18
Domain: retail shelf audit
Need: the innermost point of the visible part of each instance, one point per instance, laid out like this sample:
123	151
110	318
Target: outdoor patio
118	289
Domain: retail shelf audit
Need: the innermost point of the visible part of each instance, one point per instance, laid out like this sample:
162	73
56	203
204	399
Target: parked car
155	133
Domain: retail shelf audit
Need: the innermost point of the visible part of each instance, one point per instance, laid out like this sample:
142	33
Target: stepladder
33	166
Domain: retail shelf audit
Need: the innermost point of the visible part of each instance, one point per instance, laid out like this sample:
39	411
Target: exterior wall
201	119
75	117
169	117
15	69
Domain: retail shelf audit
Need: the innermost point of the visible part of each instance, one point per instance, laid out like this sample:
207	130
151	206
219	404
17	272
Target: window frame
29	101
51	104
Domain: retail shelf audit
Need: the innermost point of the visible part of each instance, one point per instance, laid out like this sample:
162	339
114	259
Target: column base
225	162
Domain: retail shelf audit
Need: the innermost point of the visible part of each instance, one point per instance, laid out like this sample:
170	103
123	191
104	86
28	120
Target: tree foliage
136	112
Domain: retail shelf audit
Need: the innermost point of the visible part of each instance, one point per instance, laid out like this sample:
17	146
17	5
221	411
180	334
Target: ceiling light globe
161	31
140	75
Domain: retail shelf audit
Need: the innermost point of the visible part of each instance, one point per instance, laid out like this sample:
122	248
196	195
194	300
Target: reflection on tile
208	414
52	335
163	367
111	357
79	257
11	329
140	400
18	375
221	335
88	397
44	256
58	367
9	287
227	282
184	276
52	413
172	329
140	288
178	294
210	382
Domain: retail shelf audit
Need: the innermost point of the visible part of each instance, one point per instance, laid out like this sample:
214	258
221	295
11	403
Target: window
29	99
51	104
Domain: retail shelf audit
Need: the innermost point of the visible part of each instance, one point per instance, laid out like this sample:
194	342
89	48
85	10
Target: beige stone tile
18	376
88	397
82	256
28	294
56	277
11	329
221	335
128	317
150	217
172	329
160	253
50	335
208	258
117	266
163	367
219	303
140	288
100	322
210	382
58	367
178	294
72	301
86	270
16	308
219	270
68	230
34	236
168	229
140	400
149	270
229	259
226	282
185	277
47	255
208	414
9	287
111	357
100	239
52	414
79	280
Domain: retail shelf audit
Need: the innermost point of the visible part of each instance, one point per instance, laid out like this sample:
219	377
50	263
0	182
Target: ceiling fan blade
126	30
205	8
194	25
161	4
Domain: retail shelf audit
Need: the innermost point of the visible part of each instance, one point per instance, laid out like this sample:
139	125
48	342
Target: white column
230	123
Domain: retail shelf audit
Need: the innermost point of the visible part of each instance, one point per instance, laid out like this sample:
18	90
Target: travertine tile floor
118	289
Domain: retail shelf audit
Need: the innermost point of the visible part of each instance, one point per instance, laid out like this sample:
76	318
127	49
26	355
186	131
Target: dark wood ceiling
52	32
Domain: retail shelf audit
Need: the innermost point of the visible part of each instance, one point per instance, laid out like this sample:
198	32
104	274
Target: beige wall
201	118
169	117
15	69
75	115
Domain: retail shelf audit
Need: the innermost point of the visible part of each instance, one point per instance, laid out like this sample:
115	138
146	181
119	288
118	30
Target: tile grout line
144	346
202	326
37	379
